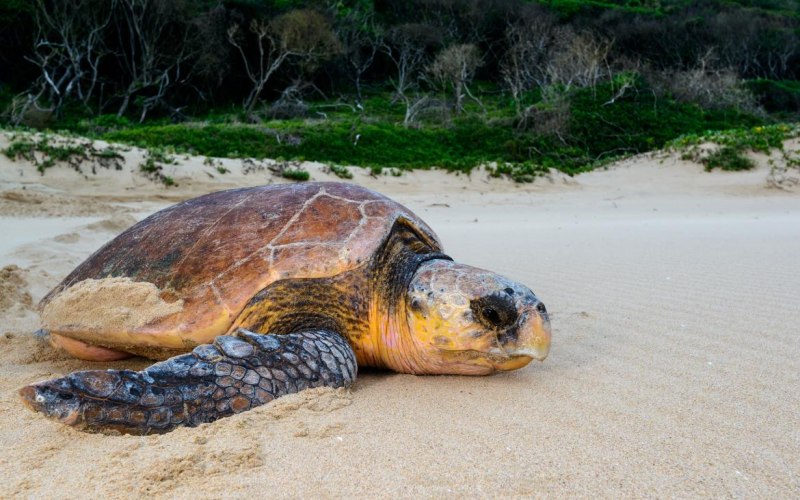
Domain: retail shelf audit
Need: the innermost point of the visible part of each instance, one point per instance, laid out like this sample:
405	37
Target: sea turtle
258	292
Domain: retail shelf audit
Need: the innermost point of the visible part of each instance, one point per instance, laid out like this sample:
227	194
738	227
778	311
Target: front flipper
232	375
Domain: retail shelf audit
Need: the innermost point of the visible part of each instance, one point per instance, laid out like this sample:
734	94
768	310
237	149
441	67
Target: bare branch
453	69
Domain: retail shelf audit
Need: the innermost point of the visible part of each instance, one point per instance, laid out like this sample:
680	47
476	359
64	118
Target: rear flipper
232	375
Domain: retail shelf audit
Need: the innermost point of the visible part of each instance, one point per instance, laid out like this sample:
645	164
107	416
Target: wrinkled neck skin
390	343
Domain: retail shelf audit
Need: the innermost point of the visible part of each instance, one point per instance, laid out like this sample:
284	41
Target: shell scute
323	219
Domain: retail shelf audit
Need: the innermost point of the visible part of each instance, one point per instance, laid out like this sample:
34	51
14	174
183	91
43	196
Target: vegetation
593	133
340	171
728	158
44	152
296	174
153	166
727	150
522	85
519	172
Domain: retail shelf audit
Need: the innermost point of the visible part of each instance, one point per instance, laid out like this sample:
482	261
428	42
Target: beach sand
674	370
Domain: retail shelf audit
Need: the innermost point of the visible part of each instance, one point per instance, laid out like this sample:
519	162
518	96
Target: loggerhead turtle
259	292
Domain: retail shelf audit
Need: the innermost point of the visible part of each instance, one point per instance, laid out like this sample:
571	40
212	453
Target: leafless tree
528	41
779	58
212	61
305	36
753	44
407	46
155	51
460	21
578	59
738	40
709	84
68	47
361	37
453	69
550	116
271	56
420	104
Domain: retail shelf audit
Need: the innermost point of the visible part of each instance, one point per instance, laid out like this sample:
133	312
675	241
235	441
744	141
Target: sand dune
675	368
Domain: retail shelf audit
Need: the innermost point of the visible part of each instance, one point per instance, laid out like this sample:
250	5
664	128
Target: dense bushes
412	83
595	133
145	57
777	96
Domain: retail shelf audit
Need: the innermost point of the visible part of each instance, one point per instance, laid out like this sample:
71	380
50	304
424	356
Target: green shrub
153	167
340	171
45	154
733	144
728	158
161	156
763	139
636	123
111	122
149	166
519	172
296	174
21	148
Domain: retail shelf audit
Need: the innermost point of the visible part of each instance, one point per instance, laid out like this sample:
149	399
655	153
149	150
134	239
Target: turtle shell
199	262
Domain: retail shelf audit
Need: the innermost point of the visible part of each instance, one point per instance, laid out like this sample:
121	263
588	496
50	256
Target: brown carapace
259	292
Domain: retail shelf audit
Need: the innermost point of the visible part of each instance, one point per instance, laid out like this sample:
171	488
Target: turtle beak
534	336
532	339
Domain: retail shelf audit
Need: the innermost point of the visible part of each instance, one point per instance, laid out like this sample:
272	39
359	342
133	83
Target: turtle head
466	320
55	399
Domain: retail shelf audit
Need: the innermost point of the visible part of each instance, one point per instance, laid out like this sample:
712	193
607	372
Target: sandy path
675	368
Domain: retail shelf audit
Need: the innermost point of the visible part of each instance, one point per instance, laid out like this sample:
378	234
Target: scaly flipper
232	375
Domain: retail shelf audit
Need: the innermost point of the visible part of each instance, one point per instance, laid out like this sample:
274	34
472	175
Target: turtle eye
491	315
494	311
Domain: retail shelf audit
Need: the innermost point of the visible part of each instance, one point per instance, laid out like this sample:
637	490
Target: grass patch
296	174
340	171
210	162
762	139
383	144
45	152
732	145
153	167
519	172
728	158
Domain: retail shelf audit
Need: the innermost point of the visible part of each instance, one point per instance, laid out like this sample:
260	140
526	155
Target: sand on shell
675	368
113	304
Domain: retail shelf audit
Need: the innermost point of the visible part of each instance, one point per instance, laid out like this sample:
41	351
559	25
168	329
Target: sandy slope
675	368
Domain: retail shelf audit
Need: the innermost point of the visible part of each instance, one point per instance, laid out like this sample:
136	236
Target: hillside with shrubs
527	85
